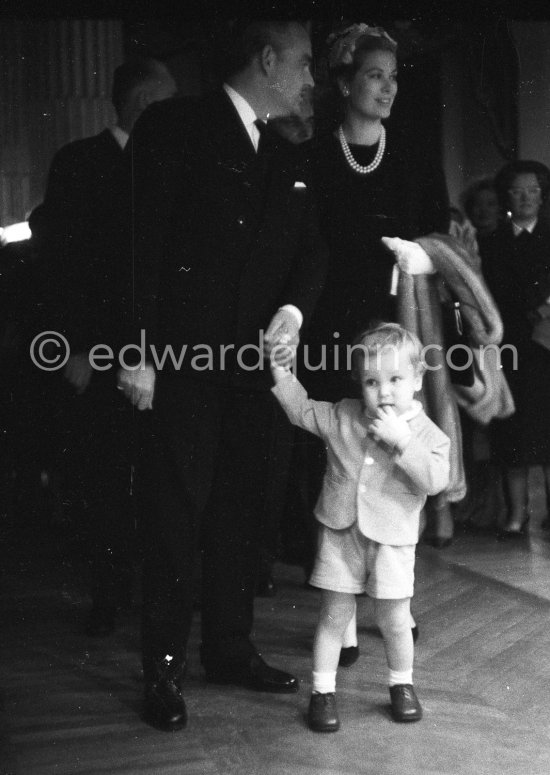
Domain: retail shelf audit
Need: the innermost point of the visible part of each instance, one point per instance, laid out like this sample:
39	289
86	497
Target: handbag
460	360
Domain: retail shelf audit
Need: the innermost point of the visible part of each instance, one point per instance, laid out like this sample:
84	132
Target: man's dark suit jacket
82	231
222	237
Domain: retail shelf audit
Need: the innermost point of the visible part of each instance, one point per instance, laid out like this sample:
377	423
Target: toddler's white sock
400	677
324	683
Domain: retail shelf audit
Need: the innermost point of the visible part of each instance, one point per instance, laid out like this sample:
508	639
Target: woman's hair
468	197
386	337
505	177
349	49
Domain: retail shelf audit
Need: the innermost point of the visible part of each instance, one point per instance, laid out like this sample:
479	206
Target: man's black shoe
164	704
255	674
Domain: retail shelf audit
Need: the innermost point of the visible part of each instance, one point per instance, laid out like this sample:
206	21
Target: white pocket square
299	184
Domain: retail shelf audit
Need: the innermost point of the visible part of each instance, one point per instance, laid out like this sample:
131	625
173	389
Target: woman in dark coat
369	184
516	265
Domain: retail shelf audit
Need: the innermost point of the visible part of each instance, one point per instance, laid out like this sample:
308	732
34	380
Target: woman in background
517	269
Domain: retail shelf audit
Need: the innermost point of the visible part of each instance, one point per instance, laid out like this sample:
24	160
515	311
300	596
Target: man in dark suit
82	231
226	247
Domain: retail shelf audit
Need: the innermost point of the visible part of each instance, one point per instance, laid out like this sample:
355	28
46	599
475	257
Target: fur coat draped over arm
419	310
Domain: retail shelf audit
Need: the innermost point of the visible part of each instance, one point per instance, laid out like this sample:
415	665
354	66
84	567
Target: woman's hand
411	258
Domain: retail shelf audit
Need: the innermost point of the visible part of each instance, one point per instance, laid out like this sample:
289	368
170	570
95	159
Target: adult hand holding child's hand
281	339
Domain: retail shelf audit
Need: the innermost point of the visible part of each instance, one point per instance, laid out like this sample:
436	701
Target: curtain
55	81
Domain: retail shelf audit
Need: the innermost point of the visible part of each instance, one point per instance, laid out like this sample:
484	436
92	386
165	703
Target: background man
82	229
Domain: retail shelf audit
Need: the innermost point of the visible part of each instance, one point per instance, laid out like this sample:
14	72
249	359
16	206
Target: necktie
260	125
263	157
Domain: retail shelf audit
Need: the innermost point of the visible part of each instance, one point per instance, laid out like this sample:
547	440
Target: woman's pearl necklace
349	156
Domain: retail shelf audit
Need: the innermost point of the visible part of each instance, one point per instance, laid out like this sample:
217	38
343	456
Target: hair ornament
343	44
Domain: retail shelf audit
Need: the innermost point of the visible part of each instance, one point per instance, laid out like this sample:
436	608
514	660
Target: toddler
384	456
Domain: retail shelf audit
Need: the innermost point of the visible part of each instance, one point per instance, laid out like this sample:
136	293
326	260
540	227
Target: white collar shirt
120	136
246	114
518	229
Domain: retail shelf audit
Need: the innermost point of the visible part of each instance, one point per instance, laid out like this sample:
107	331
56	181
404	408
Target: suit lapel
264	178
232	148
227	132
277	175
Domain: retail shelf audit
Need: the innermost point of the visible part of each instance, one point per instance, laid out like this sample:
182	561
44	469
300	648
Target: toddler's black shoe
404	703
322	715
348	656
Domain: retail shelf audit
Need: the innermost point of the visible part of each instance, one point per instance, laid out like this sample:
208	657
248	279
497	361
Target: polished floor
71	705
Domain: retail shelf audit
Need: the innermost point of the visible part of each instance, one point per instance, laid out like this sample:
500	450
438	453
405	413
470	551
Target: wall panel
55	79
